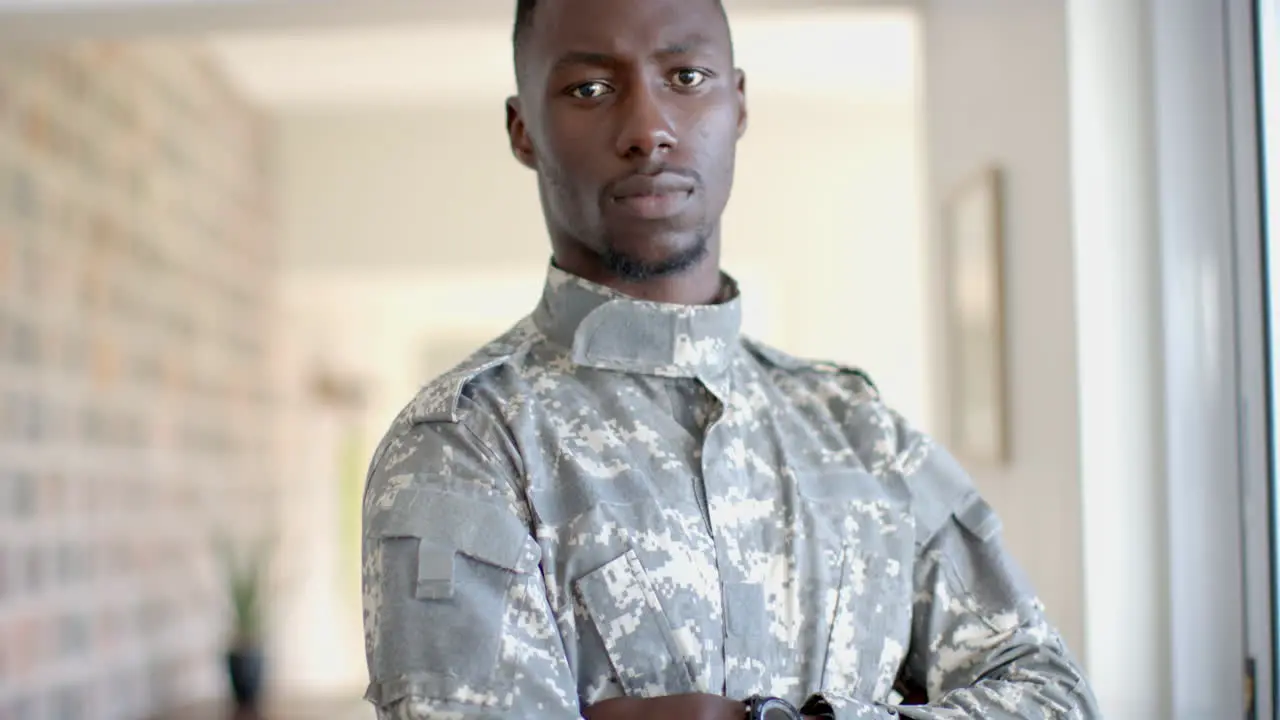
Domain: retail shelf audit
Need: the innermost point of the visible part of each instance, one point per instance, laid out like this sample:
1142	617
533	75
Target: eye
688	78
590	90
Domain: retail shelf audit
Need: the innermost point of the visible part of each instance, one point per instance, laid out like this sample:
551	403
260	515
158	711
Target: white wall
408	226
824	221
996	92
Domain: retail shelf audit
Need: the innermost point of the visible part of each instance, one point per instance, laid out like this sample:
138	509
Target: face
630	113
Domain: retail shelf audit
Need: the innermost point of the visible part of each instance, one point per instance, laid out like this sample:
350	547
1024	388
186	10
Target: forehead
623	27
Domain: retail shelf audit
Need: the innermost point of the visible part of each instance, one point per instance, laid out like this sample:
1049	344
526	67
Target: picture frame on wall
974	251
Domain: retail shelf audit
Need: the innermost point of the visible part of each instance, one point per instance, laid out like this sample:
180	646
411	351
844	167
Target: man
622	508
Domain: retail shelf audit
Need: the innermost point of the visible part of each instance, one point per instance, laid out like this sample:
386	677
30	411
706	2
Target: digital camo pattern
628	498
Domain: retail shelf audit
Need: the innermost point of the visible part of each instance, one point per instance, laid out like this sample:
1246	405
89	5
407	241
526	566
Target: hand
911	693
672	707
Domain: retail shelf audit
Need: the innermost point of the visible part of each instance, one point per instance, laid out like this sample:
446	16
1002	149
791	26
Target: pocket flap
446	524
845	484
978	517
637	636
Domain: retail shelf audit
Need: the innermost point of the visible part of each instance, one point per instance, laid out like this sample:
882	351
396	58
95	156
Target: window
1263	579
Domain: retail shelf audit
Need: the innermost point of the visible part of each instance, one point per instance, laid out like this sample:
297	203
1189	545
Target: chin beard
633	270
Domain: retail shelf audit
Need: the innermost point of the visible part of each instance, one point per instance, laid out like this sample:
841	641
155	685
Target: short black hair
524	19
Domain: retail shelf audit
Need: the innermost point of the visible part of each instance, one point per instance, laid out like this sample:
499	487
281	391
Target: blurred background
235	237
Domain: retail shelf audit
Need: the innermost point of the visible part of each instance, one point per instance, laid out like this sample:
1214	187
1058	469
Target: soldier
623	508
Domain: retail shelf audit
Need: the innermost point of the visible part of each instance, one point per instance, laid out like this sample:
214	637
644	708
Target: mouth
657	196
656	205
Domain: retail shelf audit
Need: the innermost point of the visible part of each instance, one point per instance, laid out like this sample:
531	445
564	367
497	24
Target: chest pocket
633	629
860	523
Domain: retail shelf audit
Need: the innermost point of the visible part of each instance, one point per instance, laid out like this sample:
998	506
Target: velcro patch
448	524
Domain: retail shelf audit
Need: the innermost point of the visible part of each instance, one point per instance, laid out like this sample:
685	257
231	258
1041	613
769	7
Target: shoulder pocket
446	525
635	632
439	574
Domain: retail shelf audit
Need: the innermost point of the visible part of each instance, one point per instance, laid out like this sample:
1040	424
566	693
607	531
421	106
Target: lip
656	206
653	197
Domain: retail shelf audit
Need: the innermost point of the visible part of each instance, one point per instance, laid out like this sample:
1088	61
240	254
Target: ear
741	81
518	133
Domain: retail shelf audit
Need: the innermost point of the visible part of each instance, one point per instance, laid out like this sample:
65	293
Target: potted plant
246	586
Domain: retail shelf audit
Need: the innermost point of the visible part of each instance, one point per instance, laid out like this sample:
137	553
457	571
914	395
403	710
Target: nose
646	128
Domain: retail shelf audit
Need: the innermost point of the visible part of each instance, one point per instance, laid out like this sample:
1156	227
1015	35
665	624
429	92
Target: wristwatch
771	708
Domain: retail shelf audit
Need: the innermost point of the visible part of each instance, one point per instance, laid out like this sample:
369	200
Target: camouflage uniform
628	498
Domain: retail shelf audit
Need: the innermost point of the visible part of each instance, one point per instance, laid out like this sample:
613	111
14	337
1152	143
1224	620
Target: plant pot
245	670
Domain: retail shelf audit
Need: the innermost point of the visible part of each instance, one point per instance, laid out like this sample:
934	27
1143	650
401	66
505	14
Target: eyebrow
579	57
574	58
689	44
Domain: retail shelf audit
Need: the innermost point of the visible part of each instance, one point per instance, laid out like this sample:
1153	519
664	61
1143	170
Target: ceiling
297	54
25	21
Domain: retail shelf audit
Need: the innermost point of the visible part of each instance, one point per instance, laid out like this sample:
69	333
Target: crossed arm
458	623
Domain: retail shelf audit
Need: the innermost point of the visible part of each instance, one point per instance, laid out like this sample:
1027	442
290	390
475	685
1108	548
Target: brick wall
136	263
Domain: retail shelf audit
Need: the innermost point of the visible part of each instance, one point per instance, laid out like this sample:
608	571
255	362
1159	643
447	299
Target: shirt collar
605	329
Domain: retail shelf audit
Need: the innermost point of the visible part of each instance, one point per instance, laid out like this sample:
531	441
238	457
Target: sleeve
457	622
981	646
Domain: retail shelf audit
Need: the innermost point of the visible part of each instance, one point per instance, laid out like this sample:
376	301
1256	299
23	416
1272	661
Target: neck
699	284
